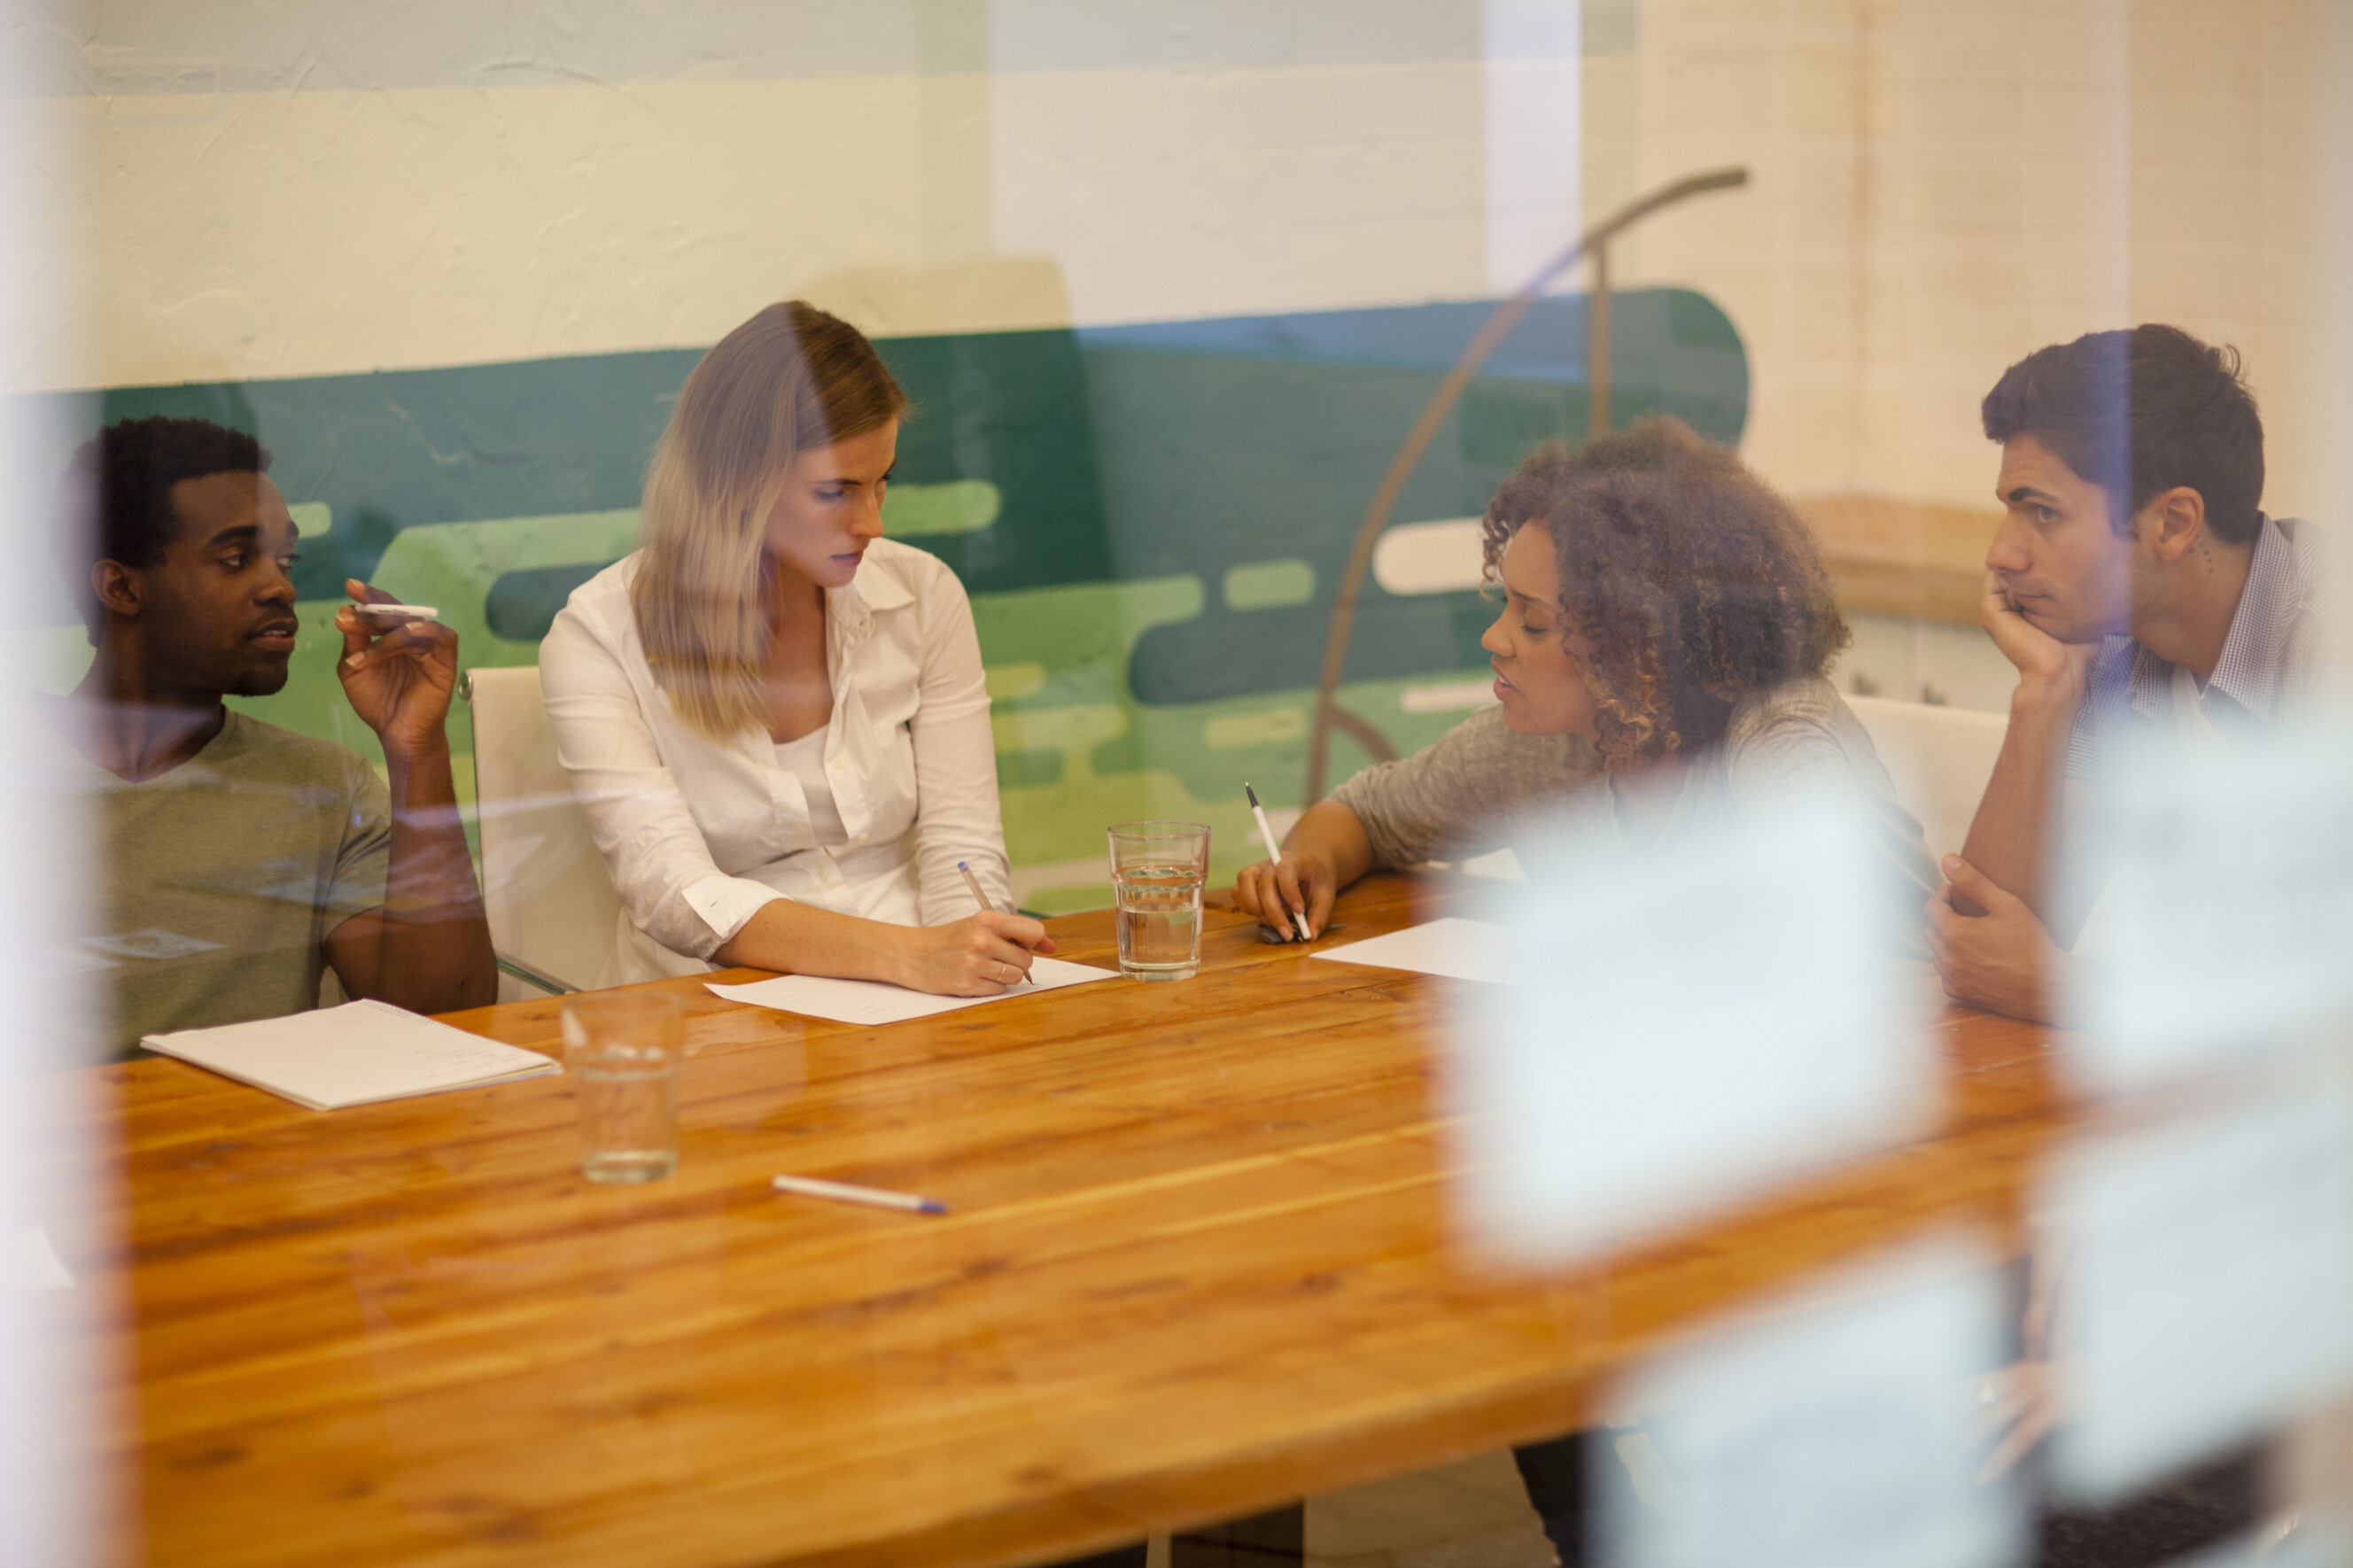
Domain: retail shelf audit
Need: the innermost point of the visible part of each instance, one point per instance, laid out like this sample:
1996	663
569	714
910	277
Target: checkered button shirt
2266	661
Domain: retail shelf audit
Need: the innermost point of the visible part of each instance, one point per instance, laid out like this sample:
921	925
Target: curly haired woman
1660	656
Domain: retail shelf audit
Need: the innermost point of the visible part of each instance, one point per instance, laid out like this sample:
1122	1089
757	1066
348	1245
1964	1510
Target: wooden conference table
1199	1266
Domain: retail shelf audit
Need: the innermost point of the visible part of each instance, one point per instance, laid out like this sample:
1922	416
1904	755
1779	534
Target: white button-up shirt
698	834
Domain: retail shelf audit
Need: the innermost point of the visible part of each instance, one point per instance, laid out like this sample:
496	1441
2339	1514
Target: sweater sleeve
1460	795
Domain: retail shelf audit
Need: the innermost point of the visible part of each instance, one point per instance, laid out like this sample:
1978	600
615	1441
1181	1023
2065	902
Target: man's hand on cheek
2003	960
2037	655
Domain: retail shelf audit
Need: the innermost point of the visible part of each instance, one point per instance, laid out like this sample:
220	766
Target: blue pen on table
1273	852
842	1192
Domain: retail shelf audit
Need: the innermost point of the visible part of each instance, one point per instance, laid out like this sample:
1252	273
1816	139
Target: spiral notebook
352	1055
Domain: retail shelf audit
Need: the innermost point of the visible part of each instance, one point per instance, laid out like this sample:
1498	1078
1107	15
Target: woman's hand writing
1273	889
981	955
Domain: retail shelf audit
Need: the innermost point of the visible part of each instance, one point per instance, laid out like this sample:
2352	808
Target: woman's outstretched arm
1326	850
978	955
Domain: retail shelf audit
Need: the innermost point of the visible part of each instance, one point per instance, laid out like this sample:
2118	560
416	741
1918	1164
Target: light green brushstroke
453	564
960	506
311	518
1080	634
1273	726
1007	681
1269	584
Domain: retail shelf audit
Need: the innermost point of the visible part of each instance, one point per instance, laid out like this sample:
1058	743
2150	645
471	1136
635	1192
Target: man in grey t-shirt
238	858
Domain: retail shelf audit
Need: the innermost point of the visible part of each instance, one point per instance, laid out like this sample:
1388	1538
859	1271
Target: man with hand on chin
239	858
2134	584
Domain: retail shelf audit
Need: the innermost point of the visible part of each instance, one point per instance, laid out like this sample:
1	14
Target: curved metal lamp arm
1328	712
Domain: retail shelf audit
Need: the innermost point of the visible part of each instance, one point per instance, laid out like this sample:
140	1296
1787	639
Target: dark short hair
117	495
2138	413
1695	583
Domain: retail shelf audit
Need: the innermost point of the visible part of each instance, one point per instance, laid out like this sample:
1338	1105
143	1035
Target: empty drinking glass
621	1048
1156	872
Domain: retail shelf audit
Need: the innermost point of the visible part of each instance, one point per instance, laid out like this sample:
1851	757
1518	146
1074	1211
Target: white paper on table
1836	1427
1454	947
2205	1279
877	1002
352	1055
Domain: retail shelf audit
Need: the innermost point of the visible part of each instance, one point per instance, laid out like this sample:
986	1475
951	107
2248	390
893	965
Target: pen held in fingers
395	614
1273	851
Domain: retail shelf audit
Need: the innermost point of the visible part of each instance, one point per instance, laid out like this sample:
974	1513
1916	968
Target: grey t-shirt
223	877
1480	786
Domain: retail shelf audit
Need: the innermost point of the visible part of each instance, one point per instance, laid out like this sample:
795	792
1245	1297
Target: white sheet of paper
352	1055
1837	1427
2205	1284
875	1002
1460	948
1690	1025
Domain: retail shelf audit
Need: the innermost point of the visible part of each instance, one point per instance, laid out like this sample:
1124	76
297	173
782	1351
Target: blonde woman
772	716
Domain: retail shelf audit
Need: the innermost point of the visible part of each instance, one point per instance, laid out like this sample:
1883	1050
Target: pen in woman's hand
1274	852
978	897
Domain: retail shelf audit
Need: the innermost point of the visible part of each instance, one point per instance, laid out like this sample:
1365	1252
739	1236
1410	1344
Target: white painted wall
1943	185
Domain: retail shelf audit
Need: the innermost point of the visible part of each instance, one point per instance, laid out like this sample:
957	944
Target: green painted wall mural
1152	521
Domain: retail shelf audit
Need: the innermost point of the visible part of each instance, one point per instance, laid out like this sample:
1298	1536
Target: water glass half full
1157	869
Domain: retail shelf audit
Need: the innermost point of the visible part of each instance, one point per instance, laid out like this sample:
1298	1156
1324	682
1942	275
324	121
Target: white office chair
551	904
1940	759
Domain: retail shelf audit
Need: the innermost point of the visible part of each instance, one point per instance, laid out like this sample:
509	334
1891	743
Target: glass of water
621	1051
1156	872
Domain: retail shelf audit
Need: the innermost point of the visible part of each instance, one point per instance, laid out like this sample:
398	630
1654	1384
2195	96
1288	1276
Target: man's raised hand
399	677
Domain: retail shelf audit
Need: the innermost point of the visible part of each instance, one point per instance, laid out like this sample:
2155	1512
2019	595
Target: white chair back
1940	759
550	900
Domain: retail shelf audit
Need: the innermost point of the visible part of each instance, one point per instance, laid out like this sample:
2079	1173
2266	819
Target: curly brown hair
1694	583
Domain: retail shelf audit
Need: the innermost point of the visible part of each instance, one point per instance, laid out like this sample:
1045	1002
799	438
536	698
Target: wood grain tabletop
1199	1265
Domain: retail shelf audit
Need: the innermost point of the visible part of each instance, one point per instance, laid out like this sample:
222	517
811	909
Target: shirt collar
878	586
2254	652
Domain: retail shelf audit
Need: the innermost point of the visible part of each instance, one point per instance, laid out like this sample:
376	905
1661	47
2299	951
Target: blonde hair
790	379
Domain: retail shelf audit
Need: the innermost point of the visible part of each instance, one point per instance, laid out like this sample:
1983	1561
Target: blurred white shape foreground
1689	1025
2206	1285
2220	884
2310	1543
1837	1427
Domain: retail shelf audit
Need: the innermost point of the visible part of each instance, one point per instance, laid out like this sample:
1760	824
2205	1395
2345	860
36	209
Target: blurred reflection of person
1659	657
239	858
775	718
2136	586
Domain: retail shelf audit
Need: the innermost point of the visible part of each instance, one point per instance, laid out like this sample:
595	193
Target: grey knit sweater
1480	787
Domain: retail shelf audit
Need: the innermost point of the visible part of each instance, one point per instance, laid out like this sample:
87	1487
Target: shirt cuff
726	904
